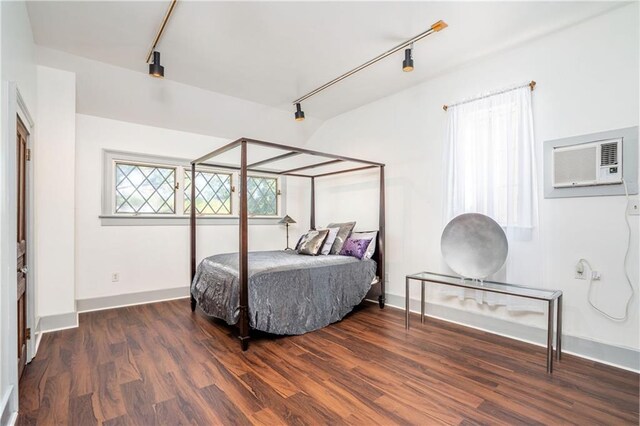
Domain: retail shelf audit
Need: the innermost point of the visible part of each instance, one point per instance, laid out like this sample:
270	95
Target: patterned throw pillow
373	236
343	234
312	242
355	248
328	243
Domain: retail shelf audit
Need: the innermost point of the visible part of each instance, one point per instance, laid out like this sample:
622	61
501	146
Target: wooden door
21	169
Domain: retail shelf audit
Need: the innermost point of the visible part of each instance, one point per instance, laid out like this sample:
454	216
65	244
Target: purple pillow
355	248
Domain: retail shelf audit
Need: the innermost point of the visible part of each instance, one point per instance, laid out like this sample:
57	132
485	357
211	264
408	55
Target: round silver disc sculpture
474	245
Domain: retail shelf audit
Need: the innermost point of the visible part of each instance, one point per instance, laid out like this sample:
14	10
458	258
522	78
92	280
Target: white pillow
371	248
328	243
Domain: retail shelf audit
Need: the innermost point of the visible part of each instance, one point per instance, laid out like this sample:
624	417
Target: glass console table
546	295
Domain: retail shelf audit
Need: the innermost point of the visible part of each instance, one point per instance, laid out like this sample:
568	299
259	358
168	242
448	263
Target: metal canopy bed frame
243	168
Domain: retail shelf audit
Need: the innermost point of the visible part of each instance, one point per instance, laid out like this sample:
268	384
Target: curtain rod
163	24
531	84
438	26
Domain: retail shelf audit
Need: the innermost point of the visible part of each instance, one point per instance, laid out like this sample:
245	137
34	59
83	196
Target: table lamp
287	220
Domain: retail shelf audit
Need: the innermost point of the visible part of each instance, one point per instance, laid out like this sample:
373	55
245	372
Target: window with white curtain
491	169
491	162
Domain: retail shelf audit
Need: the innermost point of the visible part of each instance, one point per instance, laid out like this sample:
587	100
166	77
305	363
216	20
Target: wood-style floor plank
161	364
81	411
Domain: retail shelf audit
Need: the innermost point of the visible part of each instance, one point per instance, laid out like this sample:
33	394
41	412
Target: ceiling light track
438	26
163	25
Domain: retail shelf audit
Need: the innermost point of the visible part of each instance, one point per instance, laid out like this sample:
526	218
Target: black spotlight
407	64
299	113
155	69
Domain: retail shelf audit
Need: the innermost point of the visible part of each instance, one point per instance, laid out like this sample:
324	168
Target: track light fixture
155	69
407	64
299	113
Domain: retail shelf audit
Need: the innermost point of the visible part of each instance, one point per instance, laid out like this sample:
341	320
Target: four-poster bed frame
378	287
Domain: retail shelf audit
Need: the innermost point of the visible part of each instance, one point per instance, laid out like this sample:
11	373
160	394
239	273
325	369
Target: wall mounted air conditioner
588	164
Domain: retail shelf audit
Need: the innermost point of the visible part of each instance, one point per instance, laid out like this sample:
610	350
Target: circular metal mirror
474	245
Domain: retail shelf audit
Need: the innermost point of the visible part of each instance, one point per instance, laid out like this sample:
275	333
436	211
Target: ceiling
274	52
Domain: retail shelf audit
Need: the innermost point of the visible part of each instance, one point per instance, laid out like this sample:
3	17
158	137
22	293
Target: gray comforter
288	293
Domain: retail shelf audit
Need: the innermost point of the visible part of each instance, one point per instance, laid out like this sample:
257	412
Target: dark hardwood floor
161	364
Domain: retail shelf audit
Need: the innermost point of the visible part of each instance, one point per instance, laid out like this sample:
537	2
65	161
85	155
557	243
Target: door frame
22	111
13	106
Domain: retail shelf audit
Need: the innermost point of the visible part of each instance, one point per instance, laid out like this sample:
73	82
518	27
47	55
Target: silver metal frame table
546	295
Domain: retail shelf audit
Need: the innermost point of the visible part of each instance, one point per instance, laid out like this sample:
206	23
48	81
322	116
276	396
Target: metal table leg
406	320
422	304
550	337
559	329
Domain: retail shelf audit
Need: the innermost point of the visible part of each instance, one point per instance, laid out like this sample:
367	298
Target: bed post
312	222
243	269
192	225
381	218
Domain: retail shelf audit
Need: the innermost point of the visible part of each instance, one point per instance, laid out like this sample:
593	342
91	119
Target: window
213	193
491	170
262	196
491	161
144	189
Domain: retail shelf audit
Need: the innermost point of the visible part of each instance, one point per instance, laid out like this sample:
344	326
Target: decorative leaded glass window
144	189
262	196
213	193
147	189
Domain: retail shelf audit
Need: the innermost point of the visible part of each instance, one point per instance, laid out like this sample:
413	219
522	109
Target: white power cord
626	274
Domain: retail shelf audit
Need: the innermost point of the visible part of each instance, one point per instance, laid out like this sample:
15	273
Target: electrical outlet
580	271
633	206
115	277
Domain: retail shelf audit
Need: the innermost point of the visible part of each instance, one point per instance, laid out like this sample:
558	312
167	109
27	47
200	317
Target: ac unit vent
577	165
609	154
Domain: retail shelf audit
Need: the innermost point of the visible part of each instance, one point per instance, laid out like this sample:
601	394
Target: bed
289	293
282	292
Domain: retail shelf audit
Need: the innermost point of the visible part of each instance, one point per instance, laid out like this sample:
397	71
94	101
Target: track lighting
155	69
299	113
407	64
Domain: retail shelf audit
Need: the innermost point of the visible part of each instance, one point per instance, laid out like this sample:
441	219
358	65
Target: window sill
119	220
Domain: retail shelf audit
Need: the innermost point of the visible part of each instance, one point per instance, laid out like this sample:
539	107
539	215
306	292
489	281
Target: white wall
154	258
121	94
18	50
17	65
54	163
146	257
587	82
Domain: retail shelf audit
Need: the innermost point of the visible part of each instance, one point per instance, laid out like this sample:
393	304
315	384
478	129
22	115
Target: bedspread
288	293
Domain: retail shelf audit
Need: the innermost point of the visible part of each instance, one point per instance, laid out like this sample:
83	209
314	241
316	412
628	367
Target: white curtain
491	169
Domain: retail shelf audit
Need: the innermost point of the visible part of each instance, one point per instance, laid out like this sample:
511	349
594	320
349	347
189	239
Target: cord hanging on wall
155	69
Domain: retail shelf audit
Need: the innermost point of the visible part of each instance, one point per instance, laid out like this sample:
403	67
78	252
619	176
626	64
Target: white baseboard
8	414
57	322
617	356
38	333
121	300
49	323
